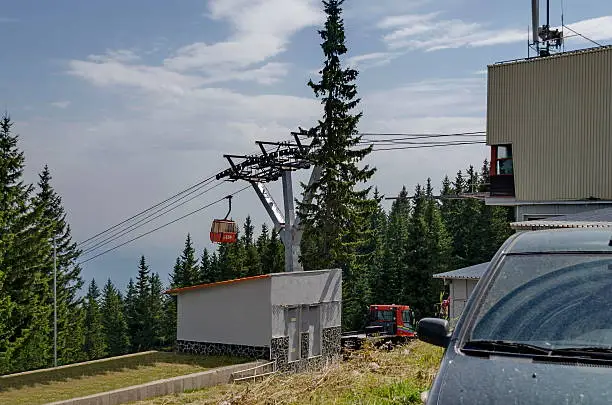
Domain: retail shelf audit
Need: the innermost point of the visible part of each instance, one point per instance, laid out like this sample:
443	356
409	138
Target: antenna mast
544	39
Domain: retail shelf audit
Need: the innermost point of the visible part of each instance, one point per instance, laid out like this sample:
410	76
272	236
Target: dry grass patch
87	379
368	377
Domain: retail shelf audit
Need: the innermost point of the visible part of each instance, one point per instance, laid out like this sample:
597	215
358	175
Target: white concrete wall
460	291
306	287
237	313
322	287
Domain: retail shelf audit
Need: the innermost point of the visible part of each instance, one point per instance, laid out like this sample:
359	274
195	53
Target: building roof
601	218
534	59
219	283
244	279
472	272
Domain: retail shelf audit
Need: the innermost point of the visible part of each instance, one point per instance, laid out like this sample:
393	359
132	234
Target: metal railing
261	370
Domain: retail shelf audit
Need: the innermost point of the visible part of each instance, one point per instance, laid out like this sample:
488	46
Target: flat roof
553	56
244	279
474	272
218	283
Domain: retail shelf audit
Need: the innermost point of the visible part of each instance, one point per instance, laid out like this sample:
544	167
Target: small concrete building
461	283
292	318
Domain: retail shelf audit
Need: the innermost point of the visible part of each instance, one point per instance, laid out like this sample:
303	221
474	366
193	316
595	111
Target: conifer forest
386	256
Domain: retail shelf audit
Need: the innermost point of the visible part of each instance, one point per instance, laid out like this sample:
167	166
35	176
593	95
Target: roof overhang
466	273
176	291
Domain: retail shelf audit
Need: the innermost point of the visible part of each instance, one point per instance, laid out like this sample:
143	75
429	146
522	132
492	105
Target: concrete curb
74	365
209	378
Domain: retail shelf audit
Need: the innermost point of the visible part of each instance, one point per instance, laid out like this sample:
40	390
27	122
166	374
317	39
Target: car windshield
383	315
548	300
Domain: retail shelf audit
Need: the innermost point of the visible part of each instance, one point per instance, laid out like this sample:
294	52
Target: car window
557	300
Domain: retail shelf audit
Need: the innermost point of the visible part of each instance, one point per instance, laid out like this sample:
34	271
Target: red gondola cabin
223	231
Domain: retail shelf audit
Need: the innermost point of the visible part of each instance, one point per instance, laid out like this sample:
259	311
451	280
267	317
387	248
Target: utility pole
54	303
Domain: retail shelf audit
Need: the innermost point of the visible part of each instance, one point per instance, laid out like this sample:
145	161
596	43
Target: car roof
561	240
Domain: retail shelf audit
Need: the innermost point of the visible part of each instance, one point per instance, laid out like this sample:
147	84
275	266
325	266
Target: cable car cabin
223	231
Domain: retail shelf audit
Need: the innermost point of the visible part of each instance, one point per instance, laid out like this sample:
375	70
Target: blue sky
130	102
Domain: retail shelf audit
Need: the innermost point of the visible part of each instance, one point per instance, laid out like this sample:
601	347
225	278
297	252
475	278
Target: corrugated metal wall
556	112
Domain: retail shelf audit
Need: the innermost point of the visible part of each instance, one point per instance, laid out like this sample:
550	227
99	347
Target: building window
501	160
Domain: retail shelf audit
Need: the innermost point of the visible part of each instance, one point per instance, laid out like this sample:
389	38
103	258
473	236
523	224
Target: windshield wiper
504	346
591	352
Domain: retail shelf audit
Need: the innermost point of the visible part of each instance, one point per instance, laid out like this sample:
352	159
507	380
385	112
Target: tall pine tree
56	230
335	221
143	339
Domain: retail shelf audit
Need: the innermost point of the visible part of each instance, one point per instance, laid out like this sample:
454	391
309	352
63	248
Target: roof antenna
543	37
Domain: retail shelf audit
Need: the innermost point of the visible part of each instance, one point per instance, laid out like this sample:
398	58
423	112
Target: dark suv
537	328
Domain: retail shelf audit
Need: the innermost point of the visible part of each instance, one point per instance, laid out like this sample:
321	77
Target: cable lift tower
544	40
277	161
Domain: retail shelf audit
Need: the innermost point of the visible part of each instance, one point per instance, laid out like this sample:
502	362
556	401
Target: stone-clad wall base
332	343
330	351
223	349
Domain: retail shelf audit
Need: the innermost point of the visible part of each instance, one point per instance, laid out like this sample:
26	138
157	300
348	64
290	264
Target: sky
131	102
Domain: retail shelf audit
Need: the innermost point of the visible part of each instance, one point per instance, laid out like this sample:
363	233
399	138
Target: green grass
368	377
86	379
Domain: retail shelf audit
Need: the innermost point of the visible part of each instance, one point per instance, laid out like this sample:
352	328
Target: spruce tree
379	276
273	261
206	275
389	288
186	270
56	230
25	307
113	321
335	220
252	262
95	342
156	312
131	316
143	339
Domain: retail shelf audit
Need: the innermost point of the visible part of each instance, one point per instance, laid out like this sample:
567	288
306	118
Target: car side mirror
434	331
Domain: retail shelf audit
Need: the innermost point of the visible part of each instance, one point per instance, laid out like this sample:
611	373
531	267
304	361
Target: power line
161	226
147	210
429	146
136	225
423	135
403	138
398	142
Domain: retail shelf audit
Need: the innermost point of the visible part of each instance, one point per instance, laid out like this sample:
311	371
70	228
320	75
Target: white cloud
597	29
429	32
61	104
370	60
119	55
425	32
262	30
